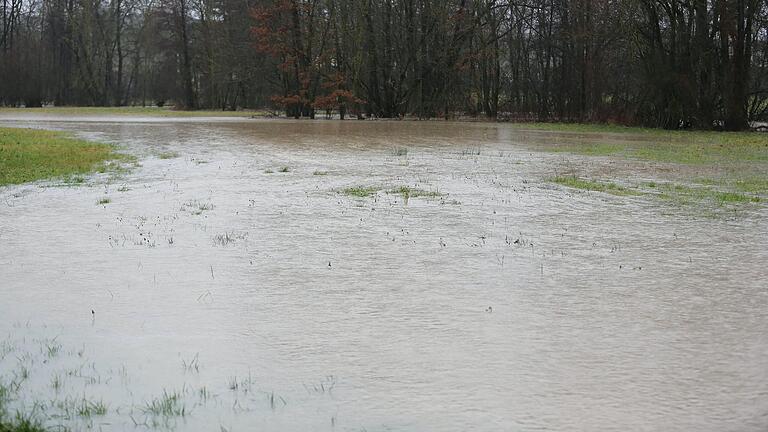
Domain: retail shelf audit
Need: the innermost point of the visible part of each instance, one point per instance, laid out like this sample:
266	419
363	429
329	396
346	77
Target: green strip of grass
404	191
606	187
360	191
687	195
679	194
409	192
27	155
167	155
685	147
585	128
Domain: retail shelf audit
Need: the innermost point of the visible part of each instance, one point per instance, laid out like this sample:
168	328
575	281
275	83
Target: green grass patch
320	173
27	155
685	147
695	152
751	185
168	155
284	169
738	162
360	191
103	201
590	185
405	191
584	128
598	149
679	194
685	195
409	192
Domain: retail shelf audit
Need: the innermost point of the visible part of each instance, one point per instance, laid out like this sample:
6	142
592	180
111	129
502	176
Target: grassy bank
130	111
686	147
27	155
731	168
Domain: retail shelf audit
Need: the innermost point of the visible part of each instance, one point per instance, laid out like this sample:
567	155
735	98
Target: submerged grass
27	155
671	192
751	185
25	408
20	423
682	194
196	207
737	162
400	151
17	422
591	185
684	147
168	405
168	155
408	192
360	191
88	408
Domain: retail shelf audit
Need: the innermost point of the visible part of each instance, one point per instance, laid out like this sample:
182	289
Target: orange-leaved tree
302	37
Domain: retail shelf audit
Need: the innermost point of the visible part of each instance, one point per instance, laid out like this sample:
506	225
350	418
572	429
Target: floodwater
271	301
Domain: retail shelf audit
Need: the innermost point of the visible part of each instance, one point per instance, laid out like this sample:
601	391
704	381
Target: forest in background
662	63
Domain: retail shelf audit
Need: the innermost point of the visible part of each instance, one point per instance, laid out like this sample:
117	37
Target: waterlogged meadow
345	276
48	385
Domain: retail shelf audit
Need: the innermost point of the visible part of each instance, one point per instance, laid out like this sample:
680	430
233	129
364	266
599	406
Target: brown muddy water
254	299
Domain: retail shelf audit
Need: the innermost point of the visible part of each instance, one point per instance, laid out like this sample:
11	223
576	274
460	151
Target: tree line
663	63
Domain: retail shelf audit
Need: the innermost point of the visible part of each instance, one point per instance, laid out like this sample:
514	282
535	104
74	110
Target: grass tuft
88	408
400	151
168	155
360	191
168	405
228	238
196	207
409	192
21	423
606	187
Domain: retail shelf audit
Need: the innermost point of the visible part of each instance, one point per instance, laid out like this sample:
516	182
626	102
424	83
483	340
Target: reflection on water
329	312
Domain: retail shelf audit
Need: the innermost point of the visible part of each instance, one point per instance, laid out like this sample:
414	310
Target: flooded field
375	276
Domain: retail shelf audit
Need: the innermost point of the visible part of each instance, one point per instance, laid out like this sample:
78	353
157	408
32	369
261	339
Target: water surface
505	304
